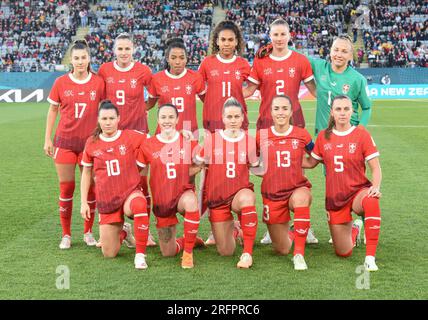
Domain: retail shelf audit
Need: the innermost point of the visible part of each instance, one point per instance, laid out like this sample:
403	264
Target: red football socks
191	225
141	223
301	228
372	222
249	227
66	190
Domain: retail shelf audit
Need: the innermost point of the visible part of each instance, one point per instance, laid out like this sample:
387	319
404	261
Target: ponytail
329	130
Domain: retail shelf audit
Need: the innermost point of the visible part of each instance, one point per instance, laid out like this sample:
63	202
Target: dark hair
267	49
168	105
81	45
331	122
232	102
172	44
284	97
227	25
104	105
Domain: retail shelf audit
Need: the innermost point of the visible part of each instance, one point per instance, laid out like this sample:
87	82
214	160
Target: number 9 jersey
78	102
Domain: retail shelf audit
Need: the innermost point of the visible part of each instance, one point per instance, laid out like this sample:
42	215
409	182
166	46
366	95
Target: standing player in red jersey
224	72
228	154
284	187
125	81
76	96
344	150
177	85
169	155
279	71
110	155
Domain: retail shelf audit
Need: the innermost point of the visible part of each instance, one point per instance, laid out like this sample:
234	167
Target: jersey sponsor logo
110	80
93	95
227	72
143	227
327	146
282	142
374	227
280	70
345	88
251	225
188	89
122	81
165	89
352	147
292	72
81	93
302	231
333	84
133	83
231	152
267	71
68	93
214	73
295	143
339	145
110	150
177	88
122	149
237	74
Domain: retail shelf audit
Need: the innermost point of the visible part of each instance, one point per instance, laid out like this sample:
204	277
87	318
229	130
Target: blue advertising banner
398	91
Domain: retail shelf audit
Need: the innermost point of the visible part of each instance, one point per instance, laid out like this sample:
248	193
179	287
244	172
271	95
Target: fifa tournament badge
292	72
352	147
122	149
238	74
295	143
93	95
133	83
188	89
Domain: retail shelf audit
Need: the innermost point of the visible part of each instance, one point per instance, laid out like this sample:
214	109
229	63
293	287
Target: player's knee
343	253
247	199
109	252
168	252
225	251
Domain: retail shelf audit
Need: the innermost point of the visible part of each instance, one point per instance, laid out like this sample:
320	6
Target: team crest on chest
214	73
237	74
267	71
295	143
327	146
292	72
188	89
122	149
133	83
165	89
345	88
352	147
93	95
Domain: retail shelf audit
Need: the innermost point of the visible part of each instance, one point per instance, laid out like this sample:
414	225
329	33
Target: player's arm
195	169
311	87
50	122
374	190
249	90
84	189
151	102
310	162
365	103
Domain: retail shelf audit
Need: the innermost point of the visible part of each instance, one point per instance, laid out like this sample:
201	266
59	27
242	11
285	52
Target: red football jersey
344	156
282	161
180	91
224	79
78	102
169	162
125	88
276	76
115	167
228	162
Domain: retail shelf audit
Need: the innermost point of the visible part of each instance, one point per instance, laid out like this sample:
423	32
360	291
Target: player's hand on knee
374	192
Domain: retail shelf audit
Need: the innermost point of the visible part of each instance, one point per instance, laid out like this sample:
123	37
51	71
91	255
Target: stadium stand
36	34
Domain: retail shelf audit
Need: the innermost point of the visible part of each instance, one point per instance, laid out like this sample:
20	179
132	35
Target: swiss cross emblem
93	95
122	149
242	156
345	88
165	89
267	71
188	89
295	143
292	72
238	74
181	152
133	83
352	147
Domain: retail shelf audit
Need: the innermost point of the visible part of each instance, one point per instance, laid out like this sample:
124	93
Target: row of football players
77	94
277	155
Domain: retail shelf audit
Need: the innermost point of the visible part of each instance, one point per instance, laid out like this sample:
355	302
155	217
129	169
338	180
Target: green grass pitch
30	229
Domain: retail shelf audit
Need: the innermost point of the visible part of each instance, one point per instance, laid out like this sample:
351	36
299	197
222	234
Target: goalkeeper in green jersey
336	78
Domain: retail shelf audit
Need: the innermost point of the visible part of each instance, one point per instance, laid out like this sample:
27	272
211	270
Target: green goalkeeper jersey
330	84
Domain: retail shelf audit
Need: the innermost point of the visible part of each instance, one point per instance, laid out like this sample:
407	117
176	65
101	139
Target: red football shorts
221	213
275	212
343	215
163	222
66	156
114	217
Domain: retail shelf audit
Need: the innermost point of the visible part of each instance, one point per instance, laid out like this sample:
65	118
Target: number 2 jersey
282	155
78	102
344	156
115	167
228	161
125	88
169	161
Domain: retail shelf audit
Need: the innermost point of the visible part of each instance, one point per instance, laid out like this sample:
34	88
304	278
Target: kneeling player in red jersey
169	155
284	187
111	156
228	154
344	149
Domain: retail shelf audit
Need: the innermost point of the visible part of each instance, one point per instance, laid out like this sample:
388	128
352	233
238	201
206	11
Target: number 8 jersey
78	102
169	161
344	156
